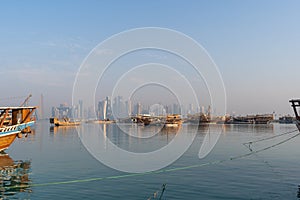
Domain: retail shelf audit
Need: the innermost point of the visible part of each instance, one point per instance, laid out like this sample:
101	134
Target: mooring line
268	138
155	172
269	147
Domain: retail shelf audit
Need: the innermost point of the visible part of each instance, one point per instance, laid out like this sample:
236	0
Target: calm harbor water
52	163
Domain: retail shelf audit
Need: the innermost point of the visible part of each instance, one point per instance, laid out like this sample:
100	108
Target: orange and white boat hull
9	133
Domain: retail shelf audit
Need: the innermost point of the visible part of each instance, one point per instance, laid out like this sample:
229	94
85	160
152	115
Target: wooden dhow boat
296	105
64	122
13	122
173	121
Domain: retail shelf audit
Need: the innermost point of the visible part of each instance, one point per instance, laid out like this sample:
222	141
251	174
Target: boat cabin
16	115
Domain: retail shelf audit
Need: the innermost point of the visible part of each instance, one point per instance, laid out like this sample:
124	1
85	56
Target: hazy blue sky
256	44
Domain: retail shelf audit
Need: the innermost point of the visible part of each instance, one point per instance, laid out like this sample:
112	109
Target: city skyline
118	108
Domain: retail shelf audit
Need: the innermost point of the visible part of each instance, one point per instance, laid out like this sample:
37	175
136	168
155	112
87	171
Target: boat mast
26	101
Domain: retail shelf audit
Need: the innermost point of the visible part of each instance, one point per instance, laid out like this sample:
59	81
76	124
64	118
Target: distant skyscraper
42	107
128	108
74	112
118	107
104	109
191	109
80	109
54	112
137	109
202	109
168	110
183	110
109	114
198	109
100	113
144	109
176	109
209	110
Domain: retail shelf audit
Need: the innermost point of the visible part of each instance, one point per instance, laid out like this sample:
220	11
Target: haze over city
255	45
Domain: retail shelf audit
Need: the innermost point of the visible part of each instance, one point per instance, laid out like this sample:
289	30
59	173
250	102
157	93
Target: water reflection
64	130
249	128
273	174
203	128
170	130
14	176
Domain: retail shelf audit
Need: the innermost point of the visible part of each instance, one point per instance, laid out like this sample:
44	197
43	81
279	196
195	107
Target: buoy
19	135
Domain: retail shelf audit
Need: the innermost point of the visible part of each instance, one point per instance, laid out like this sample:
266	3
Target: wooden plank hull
64	122
7	139
171	125
59	123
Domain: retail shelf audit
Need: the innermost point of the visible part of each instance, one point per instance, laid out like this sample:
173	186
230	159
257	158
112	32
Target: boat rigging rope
9	98
156	172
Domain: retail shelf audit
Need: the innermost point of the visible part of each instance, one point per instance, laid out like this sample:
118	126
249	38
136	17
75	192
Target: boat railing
9	128
18	127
